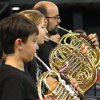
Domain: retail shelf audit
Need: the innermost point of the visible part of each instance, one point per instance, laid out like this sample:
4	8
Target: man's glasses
55	17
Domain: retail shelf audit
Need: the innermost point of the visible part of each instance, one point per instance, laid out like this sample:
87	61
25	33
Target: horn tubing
64	29
47	38
43	63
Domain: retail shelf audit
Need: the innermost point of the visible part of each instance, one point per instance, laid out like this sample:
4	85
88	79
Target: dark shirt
34	69
16	84
44	51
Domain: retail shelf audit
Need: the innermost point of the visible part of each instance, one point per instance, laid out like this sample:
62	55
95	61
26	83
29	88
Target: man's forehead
53	14
52	10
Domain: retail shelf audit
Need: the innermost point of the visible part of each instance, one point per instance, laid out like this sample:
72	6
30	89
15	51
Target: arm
93	39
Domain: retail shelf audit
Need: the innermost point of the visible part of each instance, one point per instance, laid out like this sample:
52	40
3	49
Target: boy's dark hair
13	27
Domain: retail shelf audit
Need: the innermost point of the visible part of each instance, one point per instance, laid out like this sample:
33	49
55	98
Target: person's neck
14	62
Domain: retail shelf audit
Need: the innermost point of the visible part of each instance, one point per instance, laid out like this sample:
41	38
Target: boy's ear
18	42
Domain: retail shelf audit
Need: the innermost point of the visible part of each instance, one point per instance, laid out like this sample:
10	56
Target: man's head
51	12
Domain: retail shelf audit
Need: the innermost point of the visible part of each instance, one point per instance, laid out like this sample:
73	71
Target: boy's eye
34	41
44	26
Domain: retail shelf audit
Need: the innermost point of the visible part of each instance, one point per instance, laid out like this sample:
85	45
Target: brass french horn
58	90
76	41
67	59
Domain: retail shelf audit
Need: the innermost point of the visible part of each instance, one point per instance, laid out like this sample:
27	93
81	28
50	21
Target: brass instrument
59	90
76	42
72	63
48	39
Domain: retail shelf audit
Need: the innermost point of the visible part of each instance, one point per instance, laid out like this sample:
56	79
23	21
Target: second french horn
72	63
58	90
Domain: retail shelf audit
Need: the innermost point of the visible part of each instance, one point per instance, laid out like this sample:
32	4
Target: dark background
75	14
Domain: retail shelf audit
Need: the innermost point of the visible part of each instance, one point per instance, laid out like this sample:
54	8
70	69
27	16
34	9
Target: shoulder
8	72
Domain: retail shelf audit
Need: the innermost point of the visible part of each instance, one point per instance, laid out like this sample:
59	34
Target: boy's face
29	48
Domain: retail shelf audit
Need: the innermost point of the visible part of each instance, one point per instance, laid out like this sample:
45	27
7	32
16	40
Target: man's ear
18	43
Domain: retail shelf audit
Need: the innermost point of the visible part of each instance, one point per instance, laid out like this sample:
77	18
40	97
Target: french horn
67	59
76	39
58	90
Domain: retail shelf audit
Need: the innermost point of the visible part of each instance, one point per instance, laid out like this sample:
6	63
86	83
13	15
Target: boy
18	38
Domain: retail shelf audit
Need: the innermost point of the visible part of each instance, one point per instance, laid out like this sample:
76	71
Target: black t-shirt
33	69
44	51
16	84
